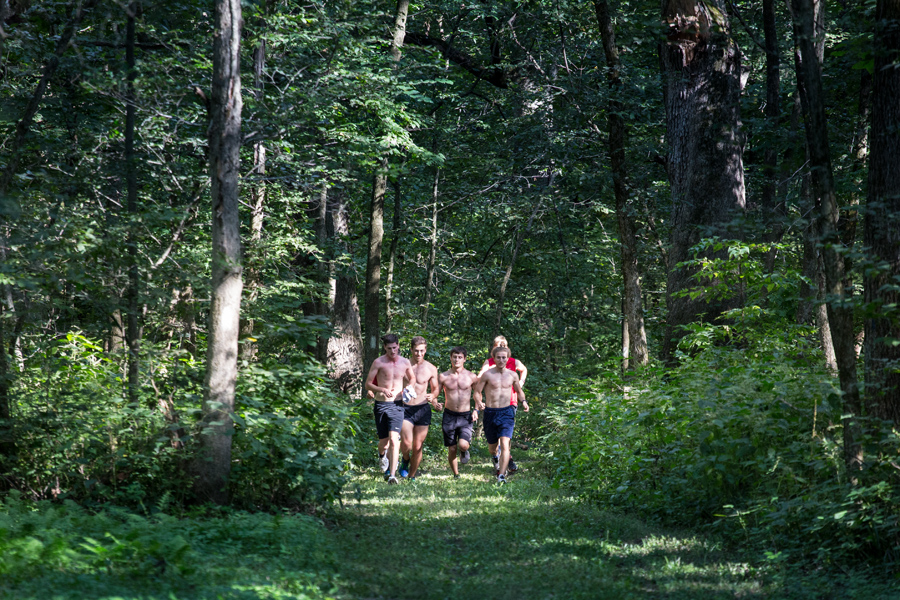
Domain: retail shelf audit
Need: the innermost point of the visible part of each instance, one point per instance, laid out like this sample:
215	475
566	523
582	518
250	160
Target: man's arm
370	381
517	387
435	389
479	385
409	376
523	372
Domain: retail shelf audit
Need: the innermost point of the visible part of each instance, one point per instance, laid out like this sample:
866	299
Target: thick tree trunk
702	97
396	230
132	293
432	254
253	256
345	352
840	316
376	222
373	265
882	223
212	464
632	309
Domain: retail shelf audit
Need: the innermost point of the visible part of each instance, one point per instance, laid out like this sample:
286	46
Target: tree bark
212	464
373	264
376	221
702	69
634	334
396	230
320	226
882	223
840	316
345	352
432	254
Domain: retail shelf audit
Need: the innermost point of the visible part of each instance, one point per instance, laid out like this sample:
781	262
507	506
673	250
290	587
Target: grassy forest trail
437	538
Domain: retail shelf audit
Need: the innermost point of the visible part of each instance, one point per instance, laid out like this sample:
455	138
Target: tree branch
496	76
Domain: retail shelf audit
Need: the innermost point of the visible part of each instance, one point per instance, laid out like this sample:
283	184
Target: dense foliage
502	216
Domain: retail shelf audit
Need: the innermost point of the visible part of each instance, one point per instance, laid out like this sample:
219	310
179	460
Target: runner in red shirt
513	364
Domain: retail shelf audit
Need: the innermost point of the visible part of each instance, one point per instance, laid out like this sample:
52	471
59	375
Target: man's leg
451	458
394	452
463	446
504	455
406	443
419	433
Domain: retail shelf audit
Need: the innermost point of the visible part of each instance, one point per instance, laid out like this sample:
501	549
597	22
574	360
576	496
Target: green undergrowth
63	551
432	538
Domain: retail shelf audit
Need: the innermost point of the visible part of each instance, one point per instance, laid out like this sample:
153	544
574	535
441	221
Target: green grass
433	538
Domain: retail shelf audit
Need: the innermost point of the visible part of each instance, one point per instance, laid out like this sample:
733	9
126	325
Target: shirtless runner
499	420
417	414
457	386
513	364
386	380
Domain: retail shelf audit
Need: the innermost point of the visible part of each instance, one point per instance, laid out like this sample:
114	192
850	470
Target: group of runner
406	391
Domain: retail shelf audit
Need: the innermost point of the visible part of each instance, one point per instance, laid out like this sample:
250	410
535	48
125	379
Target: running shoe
385	461
456	477
501	479
404	464
495	458
464	459
392	481
387	473
513	467
404	473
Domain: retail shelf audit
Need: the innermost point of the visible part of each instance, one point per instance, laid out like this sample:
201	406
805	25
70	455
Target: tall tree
632	308
376	220
702	70
345	352
257	202
882	223
132	294
212	464
840	315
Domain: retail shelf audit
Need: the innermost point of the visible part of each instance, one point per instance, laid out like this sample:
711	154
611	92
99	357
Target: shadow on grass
440	538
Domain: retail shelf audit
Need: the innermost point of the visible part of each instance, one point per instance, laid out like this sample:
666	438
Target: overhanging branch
495	75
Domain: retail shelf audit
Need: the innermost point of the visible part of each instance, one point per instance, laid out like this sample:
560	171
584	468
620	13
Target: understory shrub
53	549
743	440
78	437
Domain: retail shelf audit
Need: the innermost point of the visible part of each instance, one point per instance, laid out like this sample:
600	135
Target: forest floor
432	538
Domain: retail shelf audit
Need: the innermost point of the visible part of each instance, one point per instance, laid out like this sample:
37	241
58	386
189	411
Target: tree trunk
345	352
376	222
373	264
432	254
132	293
320	226
773	205
632	309
392	257
520	237
840	316
212	464
253	257
882	223
702	70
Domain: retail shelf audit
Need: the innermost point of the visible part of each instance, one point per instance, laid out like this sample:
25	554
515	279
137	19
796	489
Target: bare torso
498	384
457	388
425	375
389	375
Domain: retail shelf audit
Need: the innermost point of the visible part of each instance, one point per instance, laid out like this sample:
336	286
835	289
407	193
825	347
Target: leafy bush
745	440
64	550
78	437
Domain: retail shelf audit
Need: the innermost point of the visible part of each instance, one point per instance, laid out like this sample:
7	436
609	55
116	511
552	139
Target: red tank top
511	365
